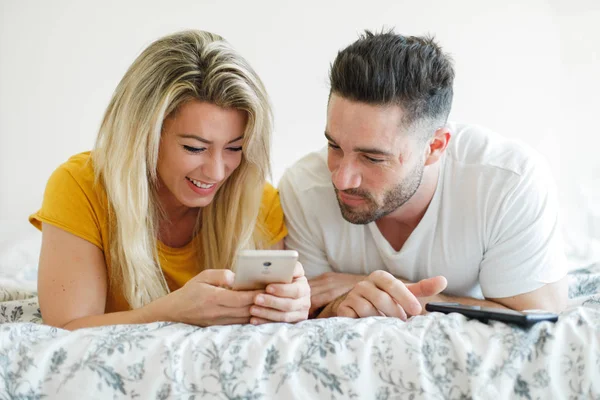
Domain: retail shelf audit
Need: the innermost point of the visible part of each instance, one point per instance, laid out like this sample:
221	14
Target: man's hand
329	286
381	294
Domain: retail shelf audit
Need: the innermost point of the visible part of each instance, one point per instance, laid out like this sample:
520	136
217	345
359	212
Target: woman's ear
437	145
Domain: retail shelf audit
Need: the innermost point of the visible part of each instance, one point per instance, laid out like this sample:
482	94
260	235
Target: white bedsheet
435	356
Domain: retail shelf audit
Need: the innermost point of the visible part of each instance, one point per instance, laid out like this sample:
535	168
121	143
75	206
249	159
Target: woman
144	227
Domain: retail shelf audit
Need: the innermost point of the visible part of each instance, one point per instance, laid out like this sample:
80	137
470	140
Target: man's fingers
397	290
428	287
346	311
361	306
384	303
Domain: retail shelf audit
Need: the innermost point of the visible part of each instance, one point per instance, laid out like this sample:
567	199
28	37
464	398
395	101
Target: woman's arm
73	284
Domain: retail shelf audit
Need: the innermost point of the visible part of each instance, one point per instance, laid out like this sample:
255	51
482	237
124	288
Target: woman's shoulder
271	214
270	199
79	166
73	201
269	192
77	173
74	183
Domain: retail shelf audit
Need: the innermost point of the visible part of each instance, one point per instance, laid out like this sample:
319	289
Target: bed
434	356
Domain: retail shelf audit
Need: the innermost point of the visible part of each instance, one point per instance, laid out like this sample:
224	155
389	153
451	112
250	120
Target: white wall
526	69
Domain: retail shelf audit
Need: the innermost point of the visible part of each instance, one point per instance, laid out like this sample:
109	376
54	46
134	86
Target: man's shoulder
476	146
494	168
306	186
310	173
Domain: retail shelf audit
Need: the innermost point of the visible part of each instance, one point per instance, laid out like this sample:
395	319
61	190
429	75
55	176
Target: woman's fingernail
270	289
259	300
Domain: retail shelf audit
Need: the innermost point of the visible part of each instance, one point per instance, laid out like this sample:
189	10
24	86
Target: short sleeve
271	215
526	250
67	206
302	236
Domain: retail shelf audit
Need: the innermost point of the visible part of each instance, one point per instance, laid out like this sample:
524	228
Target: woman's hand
206	300
283	302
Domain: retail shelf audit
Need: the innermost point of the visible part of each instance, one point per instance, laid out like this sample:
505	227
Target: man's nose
346	176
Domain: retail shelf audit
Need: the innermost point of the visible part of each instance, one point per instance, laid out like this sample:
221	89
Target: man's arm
551	297
382	294
524	265
331	309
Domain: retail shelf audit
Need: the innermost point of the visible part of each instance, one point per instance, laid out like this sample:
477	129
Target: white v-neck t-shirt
491	228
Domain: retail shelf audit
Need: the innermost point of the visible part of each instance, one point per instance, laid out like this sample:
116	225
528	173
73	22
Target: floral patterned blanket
434	356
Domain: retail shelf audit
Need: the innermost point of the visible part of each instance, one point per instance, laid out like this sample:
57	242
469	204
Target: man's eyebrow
369	150
372	150
201	139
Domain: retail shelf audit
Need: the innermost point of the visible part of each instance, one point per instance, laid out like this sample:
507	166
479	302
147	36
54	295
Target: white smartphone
255	269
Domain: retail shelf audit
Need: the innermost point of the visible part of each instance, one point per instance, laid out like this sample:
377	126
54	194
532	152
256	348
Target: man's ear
437	145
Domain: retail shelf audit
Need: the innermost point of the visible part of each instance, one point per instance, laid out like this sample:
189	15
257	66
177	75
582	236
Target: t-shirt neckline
424	224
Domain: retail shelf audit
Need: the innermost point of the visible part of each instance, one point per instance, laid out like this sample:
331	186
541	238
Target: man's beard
392	200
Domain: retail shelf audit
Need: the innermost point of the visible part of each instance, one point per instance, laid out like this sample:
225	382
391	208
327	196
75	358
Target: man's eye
333	146
194	149
374	160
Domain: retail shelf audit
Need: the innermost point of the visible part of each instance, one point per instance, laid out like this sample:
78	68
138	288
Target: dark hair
387	68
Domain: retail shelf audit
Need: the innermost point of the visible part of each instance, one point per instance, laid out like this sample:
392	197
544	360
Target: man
403	205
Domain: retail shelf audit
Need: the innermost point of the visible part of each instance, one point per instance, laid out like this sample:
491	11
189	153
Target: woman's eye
333	146
194	149
235	148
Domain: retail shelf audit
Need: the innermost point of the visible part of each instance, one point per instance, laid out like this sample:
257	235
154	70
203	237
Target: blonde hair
172	70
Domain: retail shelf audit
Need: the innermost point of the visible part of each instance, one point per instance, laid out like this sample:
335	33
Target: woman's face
200	147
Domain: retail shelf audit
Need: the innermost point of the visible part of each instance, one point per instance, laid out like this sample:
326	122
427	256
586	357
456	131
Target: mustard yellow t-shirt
76	204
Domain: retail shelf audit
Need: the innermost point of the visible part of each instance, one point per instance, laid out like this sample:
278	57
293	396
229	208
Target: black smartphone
523	318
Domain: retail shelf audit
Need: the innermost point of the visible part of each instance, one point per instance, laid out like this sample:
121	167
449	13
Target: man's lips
350	199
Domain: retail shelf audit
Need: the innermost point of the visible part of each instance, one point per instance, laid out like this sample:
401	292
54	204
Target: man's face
375	168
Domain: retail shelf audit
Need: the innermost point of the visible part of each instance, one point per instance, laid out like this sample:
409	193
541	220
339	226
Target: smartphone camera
267	263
